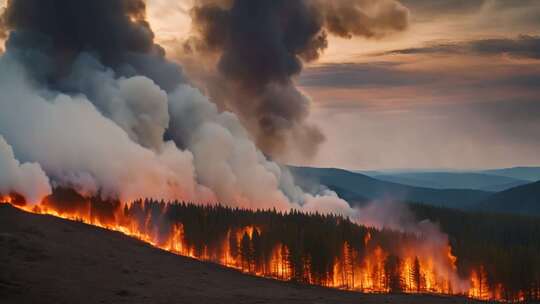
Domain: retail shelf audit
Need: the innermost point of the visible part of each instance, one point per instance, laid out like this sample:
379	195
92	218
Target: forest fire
366	261
96	114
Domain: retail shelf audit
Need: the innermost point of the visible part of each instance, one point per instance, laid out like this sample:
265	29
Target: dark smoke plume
115	31
109	28
262	45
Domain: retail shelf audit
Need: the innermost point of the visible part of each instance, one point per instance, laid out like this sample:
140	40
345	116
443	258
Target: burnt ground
49	260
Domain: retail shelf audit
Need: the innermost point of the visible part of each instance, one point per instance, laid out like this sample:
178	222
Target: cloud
461	135
437	7
427	111
448	75
357	75
524	46
371	19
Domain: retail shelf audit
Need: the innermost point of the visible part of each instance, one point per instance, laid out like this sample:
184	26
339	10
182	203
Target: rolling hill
454	180
524	200
358	188
525	173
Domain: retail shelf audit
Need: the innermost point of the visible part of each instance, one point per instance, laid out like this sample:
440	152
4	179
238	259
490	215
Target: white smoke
136	104
79	147
110	141
26	179
327	202
432	244
225	159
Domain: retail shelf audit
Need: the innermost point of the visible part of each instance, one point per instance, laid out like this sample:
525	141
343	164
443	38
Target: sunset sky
458	89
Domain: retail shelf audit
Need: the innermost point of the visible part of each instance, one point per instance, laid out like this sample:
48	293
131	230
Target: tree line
506	246
321	249
500	252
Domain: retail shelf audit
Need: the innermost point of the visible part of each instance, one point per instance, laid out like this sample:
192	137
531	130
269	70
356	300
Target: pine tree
233	246
416	275
393	280
246	252
257	254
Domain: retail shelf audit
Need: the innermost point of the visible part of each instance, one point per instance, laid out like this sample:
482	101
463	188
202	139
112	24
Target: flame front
380	272
373	271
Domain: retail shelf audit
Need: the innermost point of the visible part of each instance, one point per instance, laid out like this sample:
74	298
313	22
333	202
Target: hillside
367	188
523	200
454	180
49	260
526	173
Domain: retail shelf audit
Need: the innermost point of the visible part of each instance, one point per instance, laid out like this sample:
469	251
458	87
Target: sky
459	88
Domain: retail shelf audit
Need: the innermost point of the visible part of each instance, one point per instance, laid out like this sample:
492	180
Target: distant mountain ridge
359	188
523	200
525	173
454	180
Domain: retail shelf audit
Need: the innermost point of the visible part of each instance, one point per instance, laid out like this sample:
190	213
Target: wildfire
13	199
374	271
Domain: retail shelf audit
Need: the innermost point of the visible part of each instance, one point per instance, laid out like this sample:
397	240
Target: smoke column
261	45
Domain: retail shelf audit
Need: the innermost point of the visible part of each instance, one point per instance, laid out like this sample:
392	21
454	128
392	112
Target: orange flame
374	272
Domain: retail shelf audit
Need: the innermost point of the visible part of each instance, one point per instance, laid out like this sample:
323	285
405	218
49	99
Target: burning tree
319	249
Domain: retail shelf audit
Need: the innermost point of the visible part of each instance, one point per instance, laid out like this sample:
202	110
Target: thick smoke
261	46
111	122
366	18
136	104
111	29
80	148
226	160
114	31
26	179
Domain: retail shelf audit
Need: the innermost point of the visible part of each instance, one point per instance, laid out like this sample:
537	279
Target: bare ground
49	260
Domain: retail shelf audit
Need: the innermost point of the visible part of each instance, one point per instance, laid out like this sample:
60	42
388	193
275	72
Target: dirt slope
48	260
